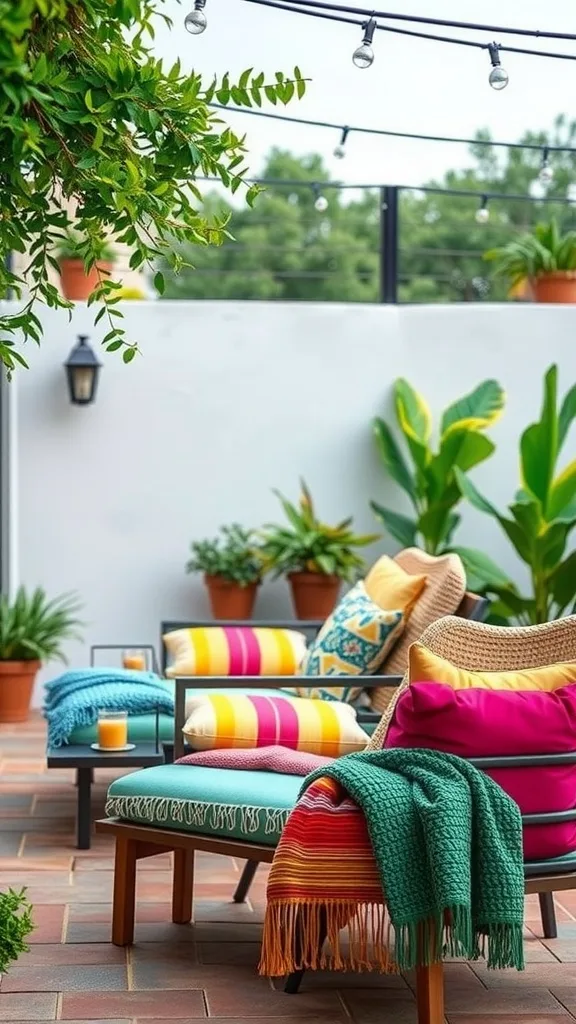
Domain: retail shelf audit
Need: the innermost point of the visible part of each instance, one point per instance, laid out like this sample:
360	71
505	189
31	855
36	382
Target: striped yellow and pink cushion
234	651
220	721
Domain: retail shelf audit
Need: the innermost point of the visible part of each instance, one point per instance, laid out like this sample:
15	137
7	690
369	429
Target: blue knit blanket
74	698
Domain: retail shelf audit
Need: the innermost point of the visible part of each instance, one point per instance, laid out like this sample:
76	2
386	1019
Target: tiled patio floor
182	974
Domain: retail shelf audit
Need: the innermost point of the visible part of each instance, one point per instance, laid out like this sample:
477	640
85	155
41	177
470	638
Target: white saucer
112	750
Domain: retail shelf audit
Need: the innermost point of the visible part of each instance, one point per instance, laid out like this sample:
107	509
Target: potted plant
315	557
545	258
32	630
77	282
232	569
15	925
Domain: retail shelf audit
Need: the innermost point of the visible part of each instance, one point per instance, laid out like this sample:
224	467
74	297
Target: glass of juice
135	660
112	730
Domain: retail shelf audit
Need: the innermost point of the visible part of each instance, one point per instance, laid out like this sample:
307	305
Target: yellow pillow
427	667
390	587
234	651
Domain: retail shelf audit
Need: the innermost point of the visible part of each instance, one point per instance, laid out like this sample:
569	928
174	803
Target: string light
546	174
483	213
339	151
195	22
363	56
571	192
498	77
320	202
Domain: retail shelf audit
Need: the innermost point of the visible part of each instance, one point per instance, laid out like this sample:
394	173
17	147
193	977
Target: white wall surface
227	401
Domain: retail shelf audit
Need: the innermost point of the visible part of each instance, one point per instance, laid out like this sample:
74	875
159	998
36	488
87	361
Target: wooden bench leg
548	915
246	878
430	994
182	886
124	891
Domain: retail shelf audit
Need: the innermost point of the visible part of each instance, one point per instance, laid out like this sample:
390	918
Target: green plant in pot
315	557
539	521
33	629
77	282
15	926
545	258
232	568
427	473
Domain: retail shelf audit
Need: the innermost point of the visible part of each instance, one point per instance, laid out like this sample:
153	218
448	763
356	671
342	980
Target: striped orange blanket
340	891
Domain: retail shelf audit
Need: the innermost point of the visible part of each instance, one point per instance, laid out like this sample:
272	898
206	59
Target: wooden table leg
182	886
124	891
430	994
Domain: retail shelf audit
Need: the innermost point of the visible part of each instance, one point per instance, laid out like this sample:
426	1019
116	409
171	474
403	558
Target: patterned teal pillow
353	641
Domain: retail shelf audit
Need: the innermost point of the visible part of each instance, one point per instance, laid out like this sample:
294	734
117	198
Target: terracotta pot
16	685
229	600
76	283
314	595
556	287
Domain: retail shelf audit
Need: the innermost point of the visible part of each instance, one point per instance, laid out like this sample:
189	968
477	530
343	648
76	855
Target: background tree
286	249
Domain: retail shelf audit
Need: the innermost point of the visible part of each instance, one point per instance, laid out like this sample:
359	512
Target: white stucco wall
227	401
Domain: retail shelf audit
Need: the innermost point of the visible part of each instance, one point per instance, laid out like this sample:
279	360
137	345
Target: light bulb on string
482	214
498	77
340	151
195	21
363	55
546	173
571	192
320	201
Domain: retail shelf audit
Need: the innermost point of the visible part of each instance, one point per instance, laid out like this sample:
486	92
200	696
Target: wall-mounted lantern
82	371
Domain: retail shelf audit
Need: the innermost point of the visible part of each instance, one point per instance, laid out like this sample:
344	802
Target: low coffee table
81	757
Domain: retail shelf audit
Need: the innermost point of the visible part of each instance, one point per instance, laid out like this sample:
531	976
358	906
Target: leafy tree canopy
285	249
95	131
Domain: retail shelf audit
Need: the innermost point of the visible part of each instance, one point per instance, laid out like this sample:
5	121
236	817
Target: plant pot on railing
558	287
544	258
314	595
229	600
76	283
17	680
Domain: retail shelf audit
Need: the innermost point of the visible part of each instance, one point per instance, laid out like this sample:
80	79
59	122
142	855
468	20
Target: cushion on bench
247	805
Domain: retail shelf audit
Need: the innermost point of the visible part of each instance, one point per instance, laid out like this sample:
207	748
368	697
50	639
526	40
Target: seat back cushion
478	722
391	586
353	641
317	726
247	805
234	651
424	665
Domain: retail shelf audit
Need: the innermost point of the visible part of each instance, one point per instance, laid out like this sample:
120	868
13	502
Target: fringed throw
437	836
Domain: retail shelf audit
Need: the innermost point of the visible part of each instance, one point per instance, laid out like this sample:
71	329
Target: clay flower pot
559	286
314	594
77	285
229	600
16	684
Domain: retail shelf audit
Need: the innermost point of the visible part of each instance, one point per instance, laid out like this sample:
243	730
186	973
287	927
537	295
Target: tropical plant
233	556
307	544
33	628
15	925
540	520
97	133
73	246
542	251
430	482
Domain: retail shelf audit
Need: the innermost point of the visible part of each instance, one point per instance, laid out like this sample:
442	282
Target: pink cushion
264	759
496	723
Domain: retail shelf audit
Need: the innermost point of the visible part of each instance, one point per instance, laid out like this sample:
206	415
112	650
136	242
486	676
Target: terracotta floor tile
70	978
49	922
101	913
516	1000
144	932
146	1005
28	1006
379	1007
535	975
260	999
472	1018
55	955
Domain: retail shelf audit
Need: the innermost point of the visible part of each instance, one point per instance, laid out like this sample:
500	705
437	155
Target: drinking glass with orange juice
112	730
135	660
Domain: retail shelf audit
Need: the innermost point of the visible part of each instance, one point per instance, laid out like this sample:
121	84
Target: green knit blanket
448	844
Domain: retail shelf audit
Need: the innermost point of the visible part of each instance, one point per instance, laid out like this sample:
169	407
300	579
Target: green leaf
478	410
393	458
481	570
567	415
413	411
563	492
159	282
539	444
562	582
401	527
472	494
128	354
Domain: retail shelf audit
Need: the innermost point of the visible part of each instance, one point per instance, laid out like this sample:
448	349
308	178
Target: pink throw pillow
496	723
264	759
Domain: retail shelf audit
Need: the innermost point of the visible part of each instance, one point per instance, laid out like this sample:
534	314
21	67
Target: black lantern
82	371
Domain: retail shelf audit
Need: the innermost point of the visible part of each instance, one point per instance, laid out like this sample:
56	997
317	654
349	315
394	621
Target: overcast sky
413	85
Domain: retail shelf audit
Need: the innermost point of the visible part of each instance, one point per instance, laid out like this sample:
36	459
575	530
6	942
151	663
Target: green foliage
542	251
429	477
90	118
34	628
308	545
234	556
73	246
540	519
15	926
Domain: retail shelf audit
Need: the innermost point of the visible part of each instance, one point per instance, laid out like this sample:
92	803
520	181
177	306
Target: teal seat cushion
142	728
246	805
